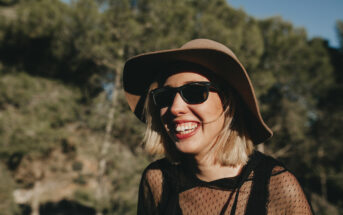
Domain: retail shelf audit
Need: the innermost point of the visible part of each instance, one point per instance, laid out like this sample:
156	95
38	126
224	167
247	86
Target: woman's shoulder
285	192
266	158
266	162
155	176
158	164
159	169
154	169
278	172
286	195
152	180
266	166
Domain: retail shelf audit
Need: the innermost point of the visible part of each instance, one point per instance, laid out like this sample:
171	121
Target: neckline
226	183
221	183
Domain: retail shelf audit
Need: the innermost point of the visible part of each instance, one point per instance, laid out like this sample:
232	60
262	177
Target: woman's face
193	127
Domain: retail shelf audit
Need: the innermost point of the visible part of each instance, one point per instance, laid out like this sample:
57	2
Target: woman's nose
179	106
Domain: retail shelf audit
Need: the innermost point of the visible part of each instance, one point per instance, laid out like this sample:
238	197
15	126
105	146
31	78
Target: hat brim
140	71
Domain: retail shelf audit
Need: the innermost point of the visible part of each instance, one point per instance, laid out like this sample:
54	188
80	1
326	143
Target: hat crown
208	44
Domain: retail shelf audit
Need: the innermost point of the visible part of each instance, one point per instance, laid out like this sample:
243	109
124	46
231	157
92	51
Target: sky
318	17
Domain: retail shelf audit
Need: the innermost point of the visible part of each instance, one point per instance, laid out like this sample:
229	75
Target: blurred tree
52	39
34	111
161	27
292	89
218	21
327	132
290	85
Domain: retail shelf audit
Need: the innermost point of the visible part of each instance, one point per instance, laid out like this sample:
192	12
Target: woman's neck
207	170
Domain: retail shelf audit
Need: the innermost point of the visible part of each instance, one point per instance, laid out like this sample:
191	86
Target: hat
141	70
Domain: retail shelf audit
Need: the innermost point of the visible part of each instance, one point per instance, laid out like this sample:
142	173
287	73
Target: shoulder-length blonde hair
233	145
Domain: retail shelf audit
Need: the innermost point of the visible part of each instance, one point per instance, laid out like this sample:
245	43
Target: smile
185	129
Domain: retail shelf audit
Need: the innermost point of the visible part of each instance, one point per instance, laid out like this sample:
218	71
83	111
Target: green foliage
125	187
218	21
52	39
131	132
33	113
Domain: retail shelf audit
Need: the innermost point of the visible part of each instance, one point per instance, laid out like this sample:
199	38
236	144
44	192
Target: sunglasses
192	93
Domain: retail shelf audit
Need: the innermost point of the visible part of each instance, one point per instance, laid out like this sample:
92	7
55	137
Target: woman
202	114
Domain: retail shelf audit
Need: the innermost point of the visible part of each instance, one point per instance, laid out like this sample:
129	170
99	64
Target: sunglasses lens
195	94
164	97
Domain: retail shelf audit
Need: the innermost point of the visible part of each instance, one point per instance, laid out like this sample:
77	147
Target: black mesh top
264	186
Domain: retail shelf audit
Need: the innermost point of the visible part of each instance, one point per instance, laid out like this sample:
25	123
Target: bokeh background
69	143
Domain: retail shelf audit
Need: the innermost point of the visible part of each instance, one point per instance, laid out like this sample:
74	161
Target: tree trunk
101	189
35	199
323	182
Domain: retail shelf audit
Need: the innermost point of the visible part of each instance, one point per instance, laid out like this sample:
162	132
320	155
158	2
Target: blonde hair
233	145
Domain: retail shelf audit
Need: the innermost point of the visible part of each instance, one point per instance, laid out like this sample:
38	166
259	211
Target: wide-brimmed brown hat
141	70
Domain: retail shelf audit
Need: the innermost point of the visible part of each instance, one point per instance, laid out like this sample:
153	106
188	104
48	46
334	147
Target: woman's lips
185	129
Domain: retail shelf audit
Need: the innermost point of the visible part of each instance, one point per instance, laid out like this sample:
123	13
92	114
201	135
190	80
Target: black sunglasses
192	93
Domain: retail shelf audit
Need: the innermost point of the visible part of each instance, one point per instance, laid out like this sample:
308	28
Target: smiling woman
202	114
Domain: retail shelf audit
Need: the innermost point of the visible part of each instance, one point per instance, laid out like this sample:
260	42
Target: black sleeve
146	202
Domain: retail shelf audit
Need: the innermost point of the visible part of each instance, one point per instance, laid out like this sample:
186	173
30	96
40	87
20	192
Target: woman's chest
206	200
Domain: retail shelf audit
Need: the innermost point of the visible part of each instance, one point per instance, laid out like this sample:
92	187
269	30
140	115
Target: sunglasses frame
208	85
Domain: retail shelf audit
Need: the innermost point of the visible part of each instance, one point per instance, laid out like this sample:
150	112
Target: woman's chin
186	147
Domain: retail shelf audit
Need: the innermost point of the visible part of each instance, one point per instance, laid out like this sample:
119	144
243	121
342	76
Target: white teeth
186	128
186	132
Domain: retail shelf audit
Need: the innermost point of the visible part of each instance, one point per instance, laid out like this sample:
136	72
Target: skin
209	120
